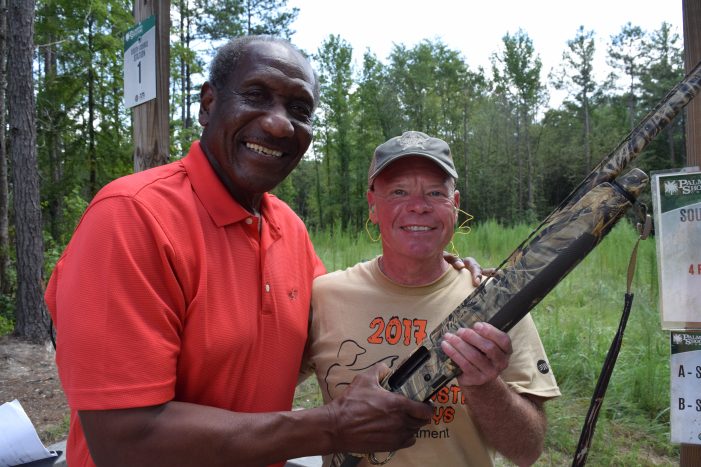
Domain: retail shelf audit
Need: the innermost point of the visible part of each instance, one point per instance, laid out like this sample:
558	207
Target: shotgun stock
536	266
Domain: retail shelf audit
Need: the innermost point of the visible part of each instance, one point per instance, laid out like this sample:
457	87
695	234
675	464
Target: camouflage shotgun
543	259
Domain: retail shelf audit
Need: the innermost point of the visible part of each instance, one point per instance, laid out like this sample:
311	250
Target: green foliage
339	249
226	19
516	160
7	314
334	125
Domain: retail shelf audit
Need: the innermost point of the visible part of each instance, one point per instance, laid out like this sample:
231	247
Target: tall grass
577	322
339	249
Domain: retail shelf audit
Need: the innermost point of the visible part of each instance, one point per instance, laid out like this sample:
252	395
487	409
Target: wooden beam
690	455
691	10
151	119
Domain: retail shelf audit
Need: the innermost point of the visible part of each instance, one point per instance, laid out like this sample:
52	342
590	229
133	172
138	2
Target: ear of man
206	99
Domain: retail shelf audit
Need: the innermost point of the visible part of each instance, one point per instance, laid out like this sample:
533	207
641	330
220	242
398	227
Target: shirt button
249	221
267	287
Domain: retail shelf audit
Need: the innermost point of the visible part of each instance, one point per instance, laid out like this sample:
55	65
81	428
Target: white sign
685	369
140	63
676	198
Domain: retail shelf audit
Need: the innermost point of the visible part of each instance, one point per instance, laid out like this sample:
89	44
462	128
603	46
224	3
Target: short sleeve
529	370
116	284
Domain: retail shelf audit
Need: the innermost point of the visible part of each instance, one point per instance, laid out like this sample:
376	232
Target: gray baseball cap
411	143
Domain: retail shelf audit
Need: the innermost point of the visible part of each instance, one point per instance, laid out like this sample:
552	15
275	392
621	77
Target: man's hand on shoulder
471	265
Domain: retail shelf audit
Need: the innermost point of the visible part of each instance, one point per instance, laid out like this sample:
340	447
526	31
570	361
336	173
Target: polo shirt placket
270	233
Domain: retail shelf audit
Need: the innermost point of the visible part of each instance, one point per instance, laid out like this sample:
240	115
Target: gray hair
227	58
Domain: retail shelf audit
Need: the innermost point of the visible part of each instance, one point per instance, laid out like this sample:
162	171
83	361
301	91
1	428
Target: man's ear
370	195
206	103
456	203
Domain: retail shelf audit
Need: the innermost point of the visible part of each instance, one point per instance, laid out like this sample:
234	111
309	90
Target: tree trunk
319	204
183	12
692	55
151	125
31	310
464	197
5	286
52	135
92	151
670	146
530	176
188	74
587	135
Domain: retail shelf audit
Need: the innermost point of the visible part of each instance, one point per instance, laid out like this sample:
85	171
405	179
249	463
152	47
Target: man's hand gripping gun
543	259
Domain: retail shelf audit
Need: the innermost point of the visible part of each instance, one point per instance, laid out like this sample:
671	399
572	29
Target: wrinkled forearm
365	418
512	424
184	434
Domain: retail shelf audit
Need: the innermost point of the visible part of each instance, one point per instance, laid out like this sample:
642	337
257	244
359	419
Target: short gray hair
227	58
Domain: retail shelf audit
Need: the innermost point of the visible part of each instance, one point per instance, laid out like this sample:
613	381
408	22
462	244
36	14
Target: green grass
339	250
7	314
577	322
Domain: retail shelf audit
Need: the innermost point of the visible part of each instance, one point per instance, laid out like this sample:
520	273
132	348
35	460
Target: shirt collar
215	198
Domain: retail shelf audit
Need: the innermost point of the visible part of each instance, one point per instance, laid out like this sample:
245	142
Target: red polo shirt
167	291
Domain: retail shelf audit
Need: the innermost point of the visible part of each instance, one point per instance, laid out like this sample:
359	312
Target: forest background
516	157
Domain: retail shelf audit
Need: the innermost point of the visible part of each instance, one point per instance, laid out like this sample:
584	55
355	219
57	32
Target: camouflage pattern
561	242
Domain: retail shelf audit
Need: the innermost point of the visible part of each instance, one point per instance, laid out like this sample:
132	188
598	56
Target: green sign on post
140	63
676	198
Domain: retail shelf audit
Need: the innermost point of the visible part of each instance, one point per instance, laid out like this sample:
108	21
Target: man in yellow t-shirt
381	310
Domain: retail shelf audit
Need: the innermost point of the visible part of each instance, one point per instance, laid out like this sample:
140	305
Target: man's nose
419	203
277	123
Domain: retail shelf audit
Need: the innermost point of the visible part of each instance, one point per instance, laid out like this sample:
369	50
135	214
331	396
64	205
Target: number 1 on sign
138	65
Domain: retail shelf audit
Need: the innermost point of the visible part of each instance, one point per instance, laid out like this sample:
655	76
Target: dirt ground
28	374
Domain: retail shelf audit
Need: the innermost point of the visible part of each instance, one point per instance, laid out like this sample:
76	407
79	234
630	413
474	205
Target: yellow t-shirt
360	317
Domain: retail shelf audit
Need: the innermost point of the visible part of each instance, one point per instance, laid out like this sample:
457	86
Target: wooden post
690	455
151	125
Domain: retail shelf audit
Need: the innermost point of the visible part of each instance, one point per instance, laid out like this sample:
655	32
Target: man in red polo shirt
181	303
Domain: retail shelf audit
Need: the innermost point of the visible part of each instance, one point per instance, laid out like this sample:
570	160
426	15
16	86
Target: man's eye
399	192
302	111
253	95
435	193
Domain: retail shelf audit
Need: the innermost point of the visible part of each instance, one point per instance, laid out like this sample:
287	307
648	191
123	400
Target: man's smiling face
259	125
414	203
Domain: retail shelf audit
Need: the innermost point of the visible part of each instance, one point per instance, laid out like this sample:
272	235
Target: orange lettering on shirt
395	330
443	414
449	395
420	333
375	338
